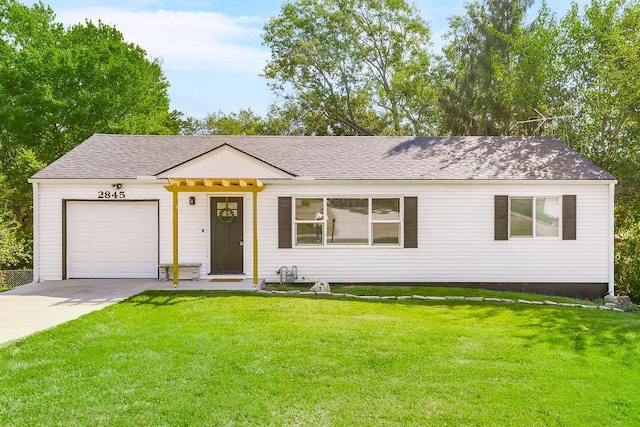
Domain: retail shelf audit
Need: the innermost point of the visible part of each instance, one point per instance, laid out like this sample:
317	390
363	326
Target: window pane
385	209
348	221
386	233
547	216
522	217
224	205
309	209
308	234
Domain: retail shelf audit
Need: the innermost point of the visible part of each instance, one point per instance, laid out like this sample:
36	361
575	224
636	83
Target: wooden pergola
215	185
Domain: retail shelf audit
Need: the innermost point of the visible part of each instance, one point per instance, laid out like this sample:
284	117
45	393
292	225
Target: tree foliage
14	243
497	68
601	53
364	64
244	122
58	87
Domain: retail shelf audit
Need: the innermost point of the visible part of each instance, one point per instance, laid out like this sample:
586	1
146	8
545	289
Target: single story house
498	212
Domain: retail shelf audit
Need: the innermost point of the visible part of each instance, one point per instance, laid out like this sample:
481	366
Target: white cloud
186	40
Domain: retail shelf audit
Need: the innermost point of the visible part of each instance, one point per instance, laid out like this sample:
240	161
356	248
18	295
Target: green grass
197	358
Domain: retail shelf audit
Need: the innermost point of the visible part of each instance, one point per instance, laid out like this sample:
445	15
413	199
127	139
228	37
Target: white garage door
112	240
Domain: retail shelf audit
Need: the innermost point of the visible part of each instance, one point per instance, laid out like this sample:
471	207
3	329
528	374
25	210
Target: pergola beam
245	185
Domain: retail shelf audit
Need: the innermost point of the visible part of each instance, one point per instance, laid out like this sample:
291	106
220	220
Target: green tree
244	122
497	69
286	119
59	87
291	118
363	64
601	52
21	164
14	244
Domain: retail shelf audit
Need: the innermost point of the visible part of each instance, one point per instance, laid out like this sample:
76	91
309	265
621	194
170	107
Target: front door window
226	211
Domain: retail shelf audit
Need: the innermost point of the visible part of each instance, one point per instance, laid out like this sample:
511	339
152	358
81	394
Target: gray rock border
604	307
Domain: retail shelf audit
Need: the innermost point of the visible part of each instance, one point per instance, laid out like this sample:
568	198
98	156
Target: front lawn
197	358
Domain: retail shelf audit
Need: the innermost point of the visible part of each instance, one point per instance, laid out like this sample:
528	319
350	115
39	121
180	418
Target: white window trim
371	221
398	221
297	221
534	229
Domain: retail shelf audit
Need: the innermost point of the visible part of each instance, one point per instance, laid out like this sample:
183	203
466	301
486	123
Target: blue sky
211	50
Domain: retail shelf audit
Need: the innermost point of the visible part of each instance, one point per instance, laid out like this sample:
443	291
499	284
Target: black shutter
410	222
501	217
284	222
569	217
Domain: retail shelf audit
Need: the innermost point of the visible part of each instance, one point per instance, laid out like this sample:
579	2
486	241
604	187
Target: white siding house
512	213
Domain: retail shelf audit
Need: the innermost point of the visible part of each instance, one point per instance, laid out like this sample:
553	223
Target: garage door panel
145	247
79	267
147	228
123	267
102	247
112	239
82	248
81	258
103	268
123	257
125	227
82	227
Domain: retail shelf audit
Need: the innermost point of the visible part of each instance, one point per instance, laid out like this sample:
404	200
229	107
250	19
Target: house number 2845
111	194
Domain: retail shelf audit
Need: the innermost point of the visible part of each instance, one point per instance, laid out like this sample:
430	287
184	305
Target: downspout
611	287
36	234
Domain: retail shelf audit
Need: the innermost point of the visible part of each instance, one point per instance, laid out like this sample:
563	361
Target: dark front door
226	235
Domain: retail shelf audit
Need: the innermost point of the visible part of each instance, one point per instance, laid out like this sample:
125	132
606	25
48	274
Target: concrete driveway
31	308
35	307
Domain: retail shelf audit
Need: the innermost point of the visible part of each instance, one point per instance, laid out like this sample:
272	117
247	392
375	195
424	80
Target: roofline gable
220	147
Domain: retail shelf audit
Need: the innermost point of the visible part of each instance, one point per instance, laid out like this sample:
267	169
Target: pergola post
176	271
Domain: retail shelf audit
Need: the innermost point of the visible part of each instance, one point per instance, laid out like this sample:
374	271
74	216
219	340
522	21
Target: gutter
144	179
306	180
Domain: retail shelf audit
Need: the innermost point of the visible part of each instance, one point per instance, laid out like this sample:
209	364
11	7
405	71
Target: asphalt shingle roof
339	158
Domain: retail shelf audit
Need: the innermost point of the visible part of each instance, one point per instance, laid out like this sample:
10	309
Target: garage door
112	240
